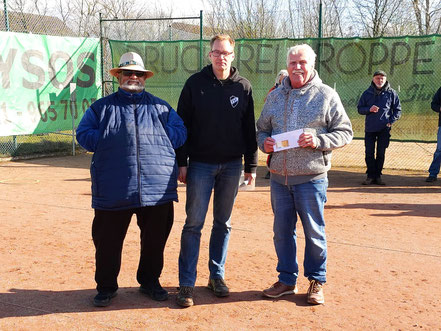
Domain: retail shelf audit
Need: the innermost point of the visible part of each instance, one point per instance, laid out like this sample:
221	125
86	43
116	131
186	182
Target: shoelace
316	287
186	290
218	282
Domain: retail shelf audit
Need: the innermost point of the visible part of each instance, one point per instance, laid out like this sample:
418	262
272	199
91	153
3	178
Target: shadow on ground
24	302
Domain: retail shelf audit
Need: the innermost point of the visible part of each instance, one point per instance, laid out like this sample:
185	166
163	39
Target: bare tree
29	6
63	9
277	18
41	7
427	15
245	18
375	16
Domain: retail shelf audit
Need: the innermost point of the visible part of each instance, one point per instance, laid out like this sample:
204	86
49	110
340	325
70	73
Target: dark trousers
374	162
109	229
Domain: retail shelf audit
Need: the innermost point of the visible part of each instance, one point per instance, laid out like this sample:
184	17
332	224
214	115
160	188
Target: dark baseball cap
380	73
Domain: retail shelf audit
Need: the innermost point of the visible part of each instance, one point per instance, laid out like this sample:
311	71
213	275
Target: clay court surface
384	262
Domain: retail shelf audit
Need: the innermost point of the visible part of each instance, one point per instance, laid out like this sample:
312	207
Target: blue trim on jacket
133	137
388	102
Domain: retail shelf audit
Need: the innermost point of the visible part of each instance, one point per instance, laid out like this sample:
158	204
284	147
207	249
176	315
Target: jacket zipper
285	153
135	114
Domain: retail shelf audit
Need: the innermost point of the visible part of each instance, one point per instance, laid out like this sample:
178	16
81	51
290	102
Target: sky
180	7
184	7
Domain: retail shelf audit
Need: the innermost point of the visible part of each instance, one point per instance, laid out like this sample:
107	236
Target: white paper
287	140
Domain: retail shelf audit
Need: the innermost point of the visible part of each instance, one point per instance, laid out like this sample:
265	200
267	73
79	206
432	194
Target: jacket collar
376	91
208	70
130	97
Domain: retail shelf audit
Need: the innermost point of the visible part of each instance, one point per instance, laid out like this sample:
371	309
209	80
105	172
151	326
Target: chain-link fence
50	143
346	65
157	31
174	50
45	78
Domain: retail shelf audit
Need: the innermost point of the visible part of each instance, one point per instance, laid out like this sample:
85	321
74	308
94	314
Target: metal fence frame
200	17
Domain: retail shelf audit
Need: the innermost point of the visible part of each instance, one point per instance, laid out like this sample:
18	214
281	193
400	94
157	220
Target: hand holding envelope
291	139
287	140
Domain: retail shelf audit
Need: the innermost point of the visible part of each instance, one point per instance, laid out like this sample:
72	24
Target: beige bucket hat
130	61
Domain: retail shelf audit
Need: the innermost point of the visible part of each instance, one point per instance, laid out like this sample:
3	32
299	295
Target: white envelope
286	140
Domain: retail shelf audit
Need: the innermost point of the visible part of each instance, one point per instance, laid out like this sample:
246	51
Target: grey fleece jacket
314	107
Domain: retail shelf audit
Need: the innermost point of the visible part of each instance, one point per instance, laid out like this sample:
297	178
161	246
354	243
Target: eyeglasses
219	53
129	73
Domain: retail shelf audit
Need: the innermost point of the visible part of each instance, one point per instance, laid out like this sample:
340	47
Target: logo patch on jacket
234	101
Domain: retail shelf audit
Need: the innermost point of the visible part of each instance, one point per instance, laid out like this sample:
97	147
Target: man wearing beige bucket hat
133	136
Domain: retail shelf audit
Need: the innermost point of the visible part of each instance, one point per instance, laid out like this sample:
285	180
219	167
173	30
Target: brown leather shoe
315	293
278	289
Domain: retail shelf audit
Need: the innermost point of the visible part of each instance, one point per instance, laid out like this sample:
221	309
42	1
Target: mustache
136	87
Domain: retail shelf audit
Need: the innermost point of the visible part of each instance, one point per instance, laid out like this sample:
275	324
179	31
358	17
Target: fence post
102	57
319	39
201	36
6	15
73	98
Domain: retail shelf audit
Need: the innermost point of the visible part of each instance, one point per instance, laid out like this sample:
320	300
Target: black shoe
378	181
219	288
154	290
103	299
185	296
431	179
368	181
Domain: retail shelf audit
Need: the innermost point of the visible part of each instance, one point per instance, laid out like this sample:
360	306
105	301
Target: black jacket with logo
219	116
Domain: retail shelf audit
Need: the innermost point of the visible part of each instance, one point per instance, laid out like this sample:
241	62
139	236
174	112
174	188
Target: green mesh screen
346	64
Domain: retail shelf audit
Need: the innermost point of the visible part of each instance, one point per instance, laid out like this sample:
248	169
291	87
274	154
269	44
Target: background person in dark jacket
382	108
435	165
217	107
279	78
133	135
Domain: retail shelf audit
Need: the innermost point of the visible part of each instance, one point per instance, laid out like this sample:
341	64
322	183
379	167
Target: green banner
346	64
46	80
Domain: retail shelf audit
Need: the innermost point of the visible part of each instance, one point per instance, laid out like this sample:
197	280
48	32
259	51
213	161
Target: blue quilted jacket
133	137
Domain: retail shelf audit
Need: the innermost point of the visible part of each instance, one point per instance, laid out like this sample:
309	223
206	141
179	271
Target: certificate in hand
286	140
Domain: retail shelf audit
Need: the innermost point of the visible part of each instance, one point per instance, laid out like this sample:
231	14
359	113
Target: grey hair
311	56
281	73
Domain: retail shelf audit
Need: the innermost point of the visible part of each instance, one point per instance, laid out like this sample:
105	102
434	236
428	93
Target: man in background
435	165
381	106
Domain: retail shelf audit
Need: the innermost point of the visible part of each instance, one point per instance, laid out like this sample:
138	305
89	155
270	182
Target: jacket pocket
93	178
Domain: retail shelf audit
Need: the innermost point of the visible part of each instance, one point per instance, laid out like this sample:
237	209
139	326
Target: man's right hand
182	176
268	145
374	109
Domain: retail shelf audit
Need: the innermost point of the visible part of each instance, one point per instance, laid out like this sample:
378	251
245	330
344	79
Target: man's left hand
388	125
306	139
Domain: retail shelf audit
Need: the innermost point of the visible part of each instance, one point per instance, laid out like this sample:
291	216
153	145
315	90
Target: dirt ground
384	266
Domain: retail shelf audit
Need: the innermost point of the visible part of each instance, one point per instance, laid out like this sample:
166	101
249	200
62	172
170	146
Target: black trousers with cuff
109	229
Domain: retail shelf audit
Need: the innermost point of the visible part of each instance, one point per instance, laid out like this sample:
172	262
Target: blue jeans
435	165
201	179
308	201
